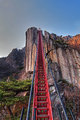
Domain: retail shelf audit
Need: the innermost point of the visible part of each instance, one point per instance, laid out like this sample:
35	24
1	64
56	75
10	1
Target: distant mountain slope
13	63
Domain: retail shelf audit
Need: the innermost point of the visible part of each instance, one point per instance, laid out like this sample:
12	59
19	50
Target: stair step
41	105
43	102
42	117
41	89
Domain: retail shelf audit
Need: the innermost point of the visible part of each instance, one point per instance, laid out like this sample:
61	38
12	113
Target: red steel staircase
41	99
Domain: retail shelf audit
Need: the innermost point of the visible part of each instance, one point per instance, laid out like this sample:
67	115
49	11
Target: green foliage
4	79
9	90
9	96
12	78
61	42
58	41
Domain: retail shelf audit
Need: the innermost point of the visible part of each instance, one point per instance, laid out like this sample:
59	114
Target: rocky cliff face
13	63
31	43
75	42
64	60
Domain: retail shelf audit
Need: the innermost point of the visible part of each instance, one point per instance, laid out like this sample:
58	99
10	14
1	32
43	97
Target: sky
16	16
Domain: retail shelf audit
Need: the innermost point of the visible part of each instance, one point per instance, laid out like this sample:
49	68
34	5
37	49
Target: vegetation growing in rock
58	41
12	97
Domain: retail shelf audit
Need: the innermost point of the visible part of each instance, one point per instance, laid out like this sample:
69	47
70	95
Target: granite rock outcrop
64	60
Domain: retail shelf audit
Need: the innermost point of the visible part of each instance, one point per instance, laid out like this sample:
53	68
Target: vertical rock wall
64	62
31	43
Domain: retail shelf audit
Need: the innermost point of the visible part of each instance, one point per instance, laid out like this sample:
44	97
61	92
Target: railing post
59	113
72	114
22	112
34	118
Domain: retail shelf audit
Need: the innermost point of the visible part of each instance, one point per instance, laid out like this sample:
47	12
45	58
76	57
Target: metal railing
22	113
31	92
66	117
34	117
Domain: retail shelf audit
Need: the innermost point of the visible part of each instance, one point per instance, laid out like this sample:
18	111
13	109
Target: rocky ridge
65	60
12	64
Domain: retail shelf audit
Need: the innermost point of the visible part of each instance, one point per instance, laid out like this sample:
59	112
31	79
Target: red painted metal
41	100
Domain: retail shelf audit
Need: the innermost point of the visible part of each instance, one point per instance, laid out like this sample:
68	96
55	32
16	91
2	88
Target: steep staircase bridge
42	109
